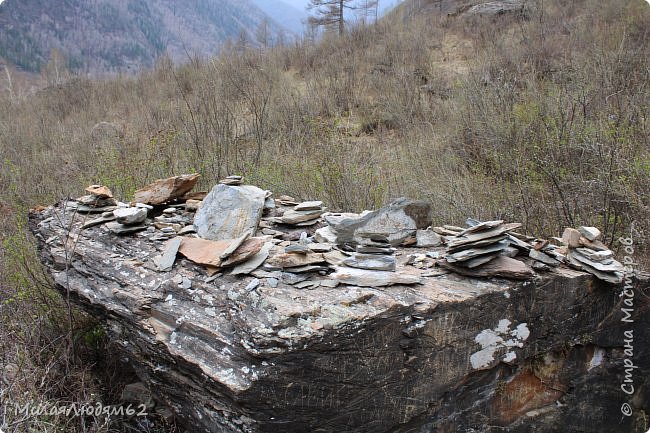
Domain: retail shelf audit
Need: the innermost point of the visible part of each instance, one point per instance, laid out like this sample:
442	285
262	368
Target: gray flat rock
295	217
165	262
500	266
230	211
590	233
480	260
518	243
610	277
325	235
614	266
543	257
121	229
187	230
427	239
307	268
477	244
81	208
604	257
98	221
366	278
234	244
481	226
309	205
318	247
374	262
297	249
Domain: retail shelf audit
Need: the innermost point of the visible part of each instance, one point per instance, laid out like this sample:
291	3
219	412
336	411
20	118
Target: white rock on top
590	233
130	215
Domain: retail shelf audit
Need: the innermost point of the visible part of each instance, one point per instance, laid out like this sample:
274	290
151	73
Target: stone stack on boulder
232	180
587	253
373	253
174	221
98	200
128	220
481	250
447	232
303	214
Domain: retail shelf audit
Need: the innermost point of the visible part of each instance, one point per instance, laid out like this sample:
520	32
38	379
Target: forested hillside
126	35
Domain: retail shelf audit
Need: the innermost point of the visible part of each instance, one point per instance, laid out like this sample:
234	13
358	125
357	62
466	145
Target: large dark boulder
453	354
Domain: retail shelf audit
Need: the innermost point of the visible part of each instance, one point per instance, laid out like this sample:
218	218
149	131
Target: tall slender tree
330	13
368	11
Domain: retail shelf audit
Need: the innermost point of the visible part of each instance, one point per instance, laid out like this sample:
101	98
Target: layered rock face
256	353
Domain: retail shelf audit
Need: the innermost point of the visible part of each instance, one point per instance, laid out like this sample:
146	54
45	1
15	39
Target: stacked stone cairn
98	200
587	253
475	246
129	219
373	253
303	214
232	180
243	230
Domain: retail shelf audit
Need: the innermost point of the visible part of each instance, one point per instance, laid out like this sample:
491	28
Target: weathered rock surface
451	354
229	212
165	190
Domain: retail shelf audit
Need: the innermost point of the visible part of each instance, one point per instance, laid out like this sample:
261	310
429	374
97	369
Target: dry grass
543	121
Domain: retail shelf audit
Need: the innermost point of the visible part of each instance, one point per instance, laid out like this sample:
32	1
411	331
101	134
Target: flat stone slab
377	262
166	260
164	190
309	205
370	278
229	212
209	253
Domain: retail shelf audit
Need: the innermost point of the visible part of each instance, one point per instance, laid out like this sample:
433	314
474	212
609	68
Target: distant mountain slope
285	14
120	35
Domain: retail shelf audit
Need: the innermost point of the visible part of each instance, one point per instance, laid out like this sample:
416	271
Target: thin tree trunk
341	22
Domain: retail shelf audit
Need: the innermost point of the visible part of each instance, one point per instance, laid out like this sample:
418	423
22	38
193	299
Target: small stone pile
232	180
484	250
477	245
303	214
448	231
373	253
129	219
587	253
98	200
545	254
174	221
